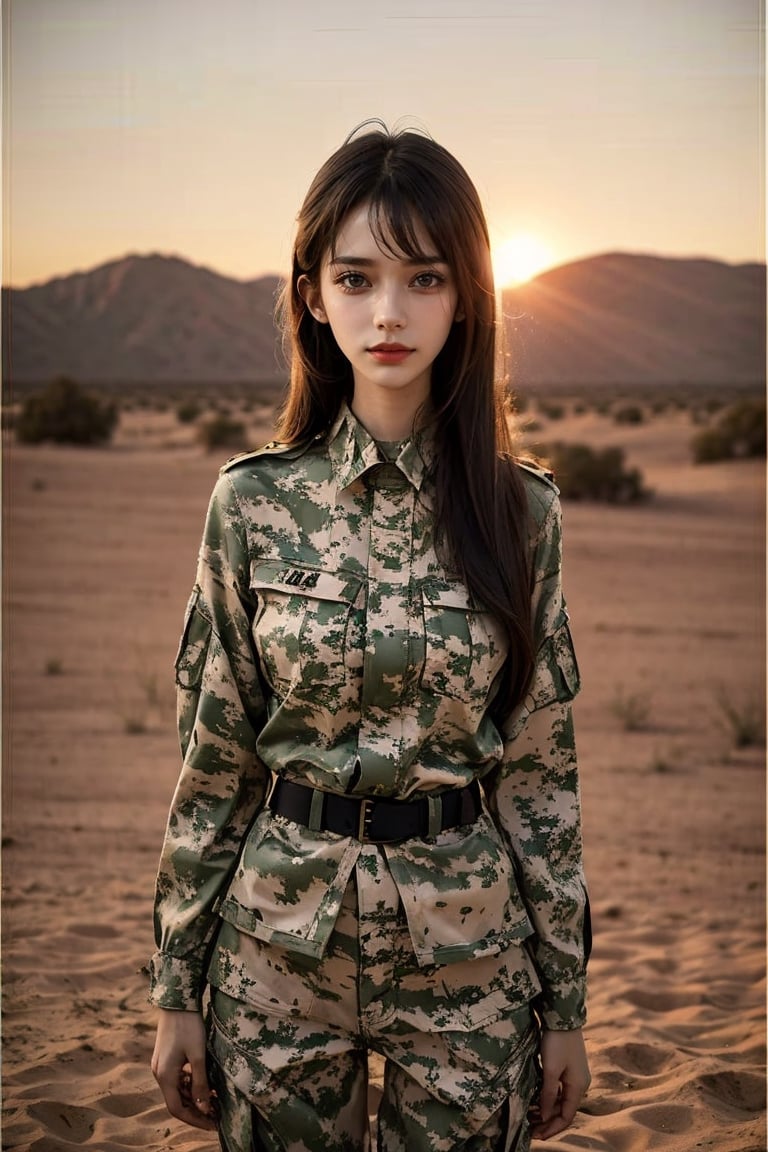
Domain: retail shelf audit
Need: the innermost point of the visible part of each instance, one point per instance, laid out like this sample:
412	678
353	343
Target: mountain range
619	319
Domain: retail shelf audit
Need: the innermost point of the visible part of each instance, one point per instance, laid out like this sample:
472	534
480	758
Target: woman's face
390	314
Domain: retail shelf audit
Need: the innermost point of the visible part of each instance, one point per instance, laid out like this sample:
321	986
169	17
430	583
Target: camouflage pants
289	1052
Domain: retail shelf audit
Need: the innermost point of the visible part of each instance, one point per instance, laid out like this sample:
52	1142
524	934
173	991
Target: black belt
375	821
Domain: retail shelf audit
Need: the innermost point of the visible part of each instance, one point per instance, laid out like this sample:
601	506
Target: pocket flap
442	594
193	646
459	893
556	677
289	884
278	576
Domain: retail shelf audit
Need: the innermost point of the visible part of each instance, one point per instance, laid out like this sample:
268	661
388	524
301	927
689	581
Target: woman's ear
459	314
310	294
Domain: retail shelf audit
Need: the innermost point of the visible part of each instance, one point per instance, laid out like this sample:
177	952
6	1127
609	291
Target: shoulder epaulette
536	470
273	448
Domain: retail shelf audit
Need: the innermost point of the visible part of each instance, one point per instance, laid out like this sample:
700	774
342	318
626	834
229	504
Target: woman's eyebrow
367	262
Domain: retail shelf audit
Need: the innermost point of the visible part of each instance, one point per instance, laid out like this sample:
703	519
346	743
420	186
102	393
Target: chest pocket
464	647
302	623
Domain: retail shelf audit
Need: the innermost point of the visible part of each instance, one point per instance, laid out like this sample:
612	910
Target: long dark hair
481	511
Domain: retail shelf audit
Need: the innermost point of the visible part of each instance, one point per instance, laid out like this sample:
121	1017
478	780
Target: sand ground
667	603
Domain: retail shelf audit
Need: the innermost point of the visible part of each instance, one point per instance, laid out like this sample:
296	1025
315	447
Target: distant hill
154	319
635	319
616	319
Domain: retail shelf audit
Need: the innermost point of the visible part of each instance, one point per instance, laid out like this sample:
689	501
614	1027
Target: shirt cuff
564	1008
175	982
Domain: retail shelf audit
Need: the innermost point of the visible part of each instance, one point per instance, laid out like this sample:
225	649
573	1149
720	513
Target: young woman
375	843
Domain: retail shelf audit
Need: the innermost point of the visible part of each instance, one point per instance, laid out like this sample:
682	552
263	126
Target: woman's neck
389	417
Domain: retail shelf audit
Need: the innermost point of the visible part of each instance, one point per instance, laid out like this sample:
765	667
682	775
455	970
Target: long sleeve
222	782
535	793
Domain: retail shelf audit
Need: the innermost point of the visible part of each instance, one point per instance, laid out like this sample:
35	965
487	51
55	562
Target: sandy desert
667	603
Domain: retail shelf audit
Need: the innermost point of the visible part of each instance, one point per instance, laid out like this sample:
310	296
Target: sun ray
518	258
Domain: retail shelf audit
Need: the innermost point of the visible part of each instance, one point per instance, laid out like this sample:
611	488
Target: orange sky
191	128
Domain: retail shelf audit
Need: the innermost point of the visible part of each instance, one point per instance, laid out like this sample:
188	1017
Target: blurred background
154	157
192	129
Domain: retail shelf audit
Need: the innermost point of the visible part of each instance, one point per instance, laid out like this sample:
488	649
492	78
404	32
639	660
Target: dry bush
584	473
629	414
66	414
744	719
222	432
739	431
188	411
631	709
551	410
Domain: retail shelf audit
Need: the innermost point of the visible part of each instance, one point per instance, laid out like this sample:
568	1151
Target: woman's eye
351	281
428	280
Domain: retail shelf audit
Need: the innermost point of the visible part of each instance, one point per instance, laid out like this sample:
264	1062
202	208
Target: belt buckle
364	821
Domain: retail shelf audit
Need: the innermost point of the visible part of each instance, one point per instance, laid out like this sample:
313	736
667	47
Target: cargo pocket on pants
471	1075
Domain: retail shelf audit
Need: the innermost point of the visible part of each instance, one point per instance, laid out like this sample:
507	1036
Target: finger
546	1131
193	1117
177	1093
548	1097
189	1113
569	1101
563	1117
202	1097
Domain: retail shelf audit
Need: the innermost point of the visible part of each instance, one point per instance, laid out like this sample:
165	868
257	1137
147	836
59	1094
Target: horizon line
158	254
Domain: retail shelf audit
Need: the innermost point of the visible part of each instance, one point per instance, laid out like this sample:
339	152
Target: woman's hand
178	1065
565	1079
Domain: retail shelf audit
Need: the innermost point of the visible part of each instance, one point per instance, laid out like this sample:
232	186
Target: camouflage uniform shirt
325	642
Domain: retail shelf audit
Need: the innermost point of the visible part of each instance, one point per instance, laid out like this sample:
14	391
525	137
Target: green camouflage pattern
289	1037
325	641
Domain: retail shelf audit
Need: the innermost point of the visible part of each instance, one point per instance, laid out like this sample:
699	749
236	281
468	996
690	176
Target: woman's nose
390	311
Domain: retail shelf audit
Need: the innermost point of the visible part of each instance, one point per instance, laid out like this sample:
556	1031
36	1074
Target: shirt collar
353	451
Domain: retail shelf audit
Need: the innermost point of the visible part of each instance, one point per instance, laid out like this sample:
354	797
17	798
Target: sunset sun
518	259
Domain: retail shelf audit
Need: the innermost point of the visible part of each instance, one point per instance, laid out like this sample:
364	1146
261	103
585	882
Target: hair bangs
399	227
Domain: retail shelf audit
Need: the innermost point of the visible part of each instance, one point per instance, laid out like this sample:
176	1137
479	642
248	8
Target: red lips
389	353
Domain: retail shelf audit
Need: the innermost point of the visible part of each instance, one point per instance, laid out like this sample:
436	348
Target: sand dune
667	607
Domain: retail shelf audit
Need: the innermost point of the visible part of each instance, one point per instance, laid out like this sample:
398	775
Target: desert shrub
187	412
661	763
739	431
631	709
745	424
584	473
709	445
629	414
552	411
221	432
65	413
744	720
659	407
